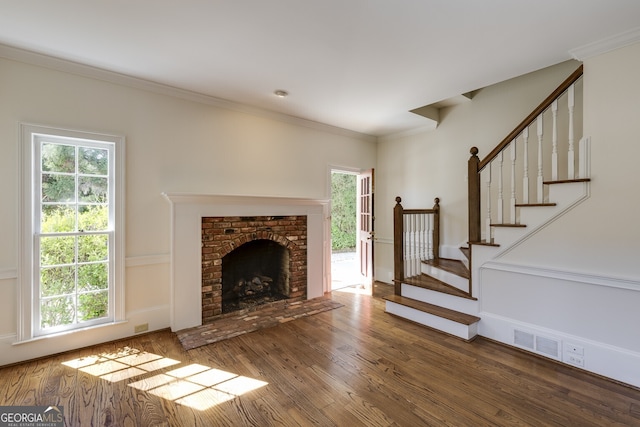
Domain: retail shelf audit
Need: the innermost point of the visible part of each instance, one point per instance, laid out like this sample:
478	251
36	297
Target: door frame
351	171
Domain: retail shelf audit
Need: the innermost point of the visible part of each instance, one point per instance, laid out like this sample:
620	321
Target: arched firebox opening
255	273
282	243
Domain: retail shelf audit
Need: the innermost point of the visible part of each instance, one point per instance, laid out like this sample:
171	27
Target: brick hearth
221	235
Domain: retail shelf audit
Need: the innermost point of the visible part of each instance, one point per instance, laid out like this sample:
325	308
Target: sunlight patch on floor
197	386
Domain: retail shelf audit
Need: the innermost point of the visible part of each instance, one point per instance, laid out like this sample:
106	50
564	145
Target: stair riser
451	302
506	236
465	332
563	195
446	277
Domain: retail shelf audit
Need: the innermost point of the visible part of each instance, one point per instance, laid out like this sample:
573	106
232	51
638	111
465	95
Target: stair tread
446	313
566	181
484	243
465	251
454	266
427	282
508	225
534	205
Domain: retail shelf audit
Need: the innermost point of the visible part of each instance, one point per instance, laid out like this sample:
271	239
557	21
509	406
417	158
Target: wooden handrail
531	117
419	211
475	165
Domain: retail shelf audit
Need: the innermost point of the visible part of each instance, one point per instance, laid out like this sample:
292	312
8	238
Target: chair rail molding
567	275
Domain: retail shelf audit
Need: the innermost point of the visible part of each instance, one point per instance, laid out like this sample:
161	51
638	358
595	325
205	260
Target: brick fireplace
250	261
187	213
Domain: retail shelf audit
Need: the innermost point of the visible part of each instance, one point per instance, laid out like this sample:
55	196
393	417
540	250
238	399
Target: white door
366	233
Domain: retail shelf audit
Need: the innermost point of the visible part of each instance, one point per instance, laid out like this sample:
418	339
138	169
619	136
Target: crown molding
605	45
72	67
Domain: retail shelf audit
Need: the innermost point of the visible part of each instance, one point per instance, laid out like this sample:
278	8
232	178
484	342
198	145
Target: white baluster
540	179
410	243
416	243
500	206
429	242
413	245
584	157
554	139
419	236
407	246
423	237
488	218
571	174
512	204
419	233
525	172
429	234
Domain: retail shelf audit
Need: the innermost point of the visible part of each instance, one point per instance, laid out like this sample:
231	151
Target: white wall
173	145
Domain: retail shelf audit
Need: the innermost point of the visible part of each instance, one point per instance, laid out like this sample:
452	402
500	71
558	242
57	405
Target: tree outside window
74	239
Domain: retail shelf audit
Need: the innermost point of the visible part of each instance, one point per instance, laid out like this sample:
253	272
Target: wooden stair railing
416	238
494	160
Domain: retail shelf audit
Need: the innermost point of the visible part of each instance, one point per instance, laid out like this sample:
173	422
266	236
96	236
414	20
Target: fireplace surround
251	261
187	211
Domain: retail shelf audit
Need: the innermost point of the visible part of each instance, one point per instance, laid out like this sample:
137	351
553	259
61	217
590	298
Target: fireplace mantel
187	211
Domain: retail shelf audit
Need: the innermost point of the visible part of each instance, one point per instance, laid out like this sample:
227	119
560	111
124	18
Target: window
71	274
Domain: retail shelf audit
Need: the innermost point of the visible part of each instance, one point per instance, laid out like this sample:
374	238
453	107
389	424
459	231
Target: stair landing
453	266
431	283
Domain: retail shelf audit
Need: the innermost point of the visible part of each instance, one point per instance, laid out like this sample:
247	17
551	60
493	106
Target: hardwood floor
352	366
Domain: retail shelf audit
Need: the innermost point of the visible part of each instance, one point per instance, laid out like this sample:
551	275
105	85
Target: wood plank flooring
352	366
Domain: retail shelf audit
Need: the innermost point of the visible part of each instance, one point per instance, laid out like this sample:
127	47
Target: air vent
523	339
544	345
548	346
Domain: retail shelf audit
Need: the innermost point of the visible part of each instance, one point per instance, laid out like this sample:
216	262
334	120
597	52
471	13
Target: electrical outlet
574	359
141	328
575	349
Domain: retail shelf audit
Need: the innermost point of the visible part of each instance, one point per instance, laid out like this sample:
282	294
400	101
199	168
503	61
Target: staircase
429	290
430	300
440	293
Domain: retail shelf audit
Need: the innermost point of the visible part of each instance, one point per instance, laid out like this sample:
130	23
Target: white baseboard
599	358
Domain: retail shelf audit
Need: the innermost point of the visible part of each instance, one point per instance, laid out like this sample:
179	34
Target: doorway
351	230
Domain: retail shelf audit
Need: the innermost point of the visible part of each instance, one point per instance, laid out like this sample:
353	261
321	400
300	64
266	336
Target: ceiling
361	65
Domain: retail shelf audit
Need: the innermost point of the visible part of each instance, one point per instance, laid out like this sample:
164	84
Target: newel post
398	246
474	196
436	229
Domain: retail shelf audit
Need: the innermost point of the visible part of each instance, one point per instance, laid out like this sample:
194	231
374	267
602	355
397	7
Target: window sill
73	331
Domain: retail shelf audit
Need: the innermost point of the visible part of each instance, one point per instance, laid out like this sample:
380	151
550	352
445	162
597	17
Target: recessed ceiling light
281	93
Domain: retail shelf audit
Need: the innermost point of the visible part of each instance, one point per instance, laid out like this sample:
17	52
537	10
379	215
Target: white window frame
28	299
